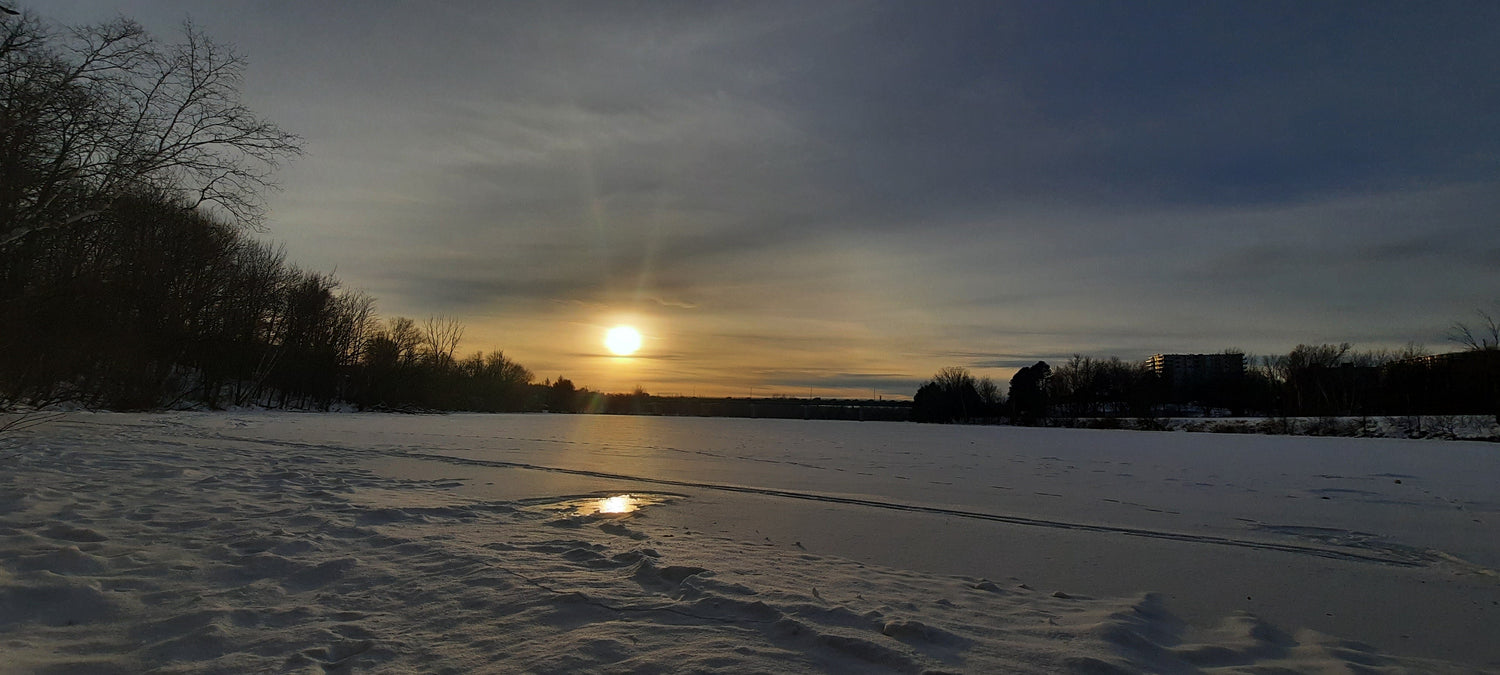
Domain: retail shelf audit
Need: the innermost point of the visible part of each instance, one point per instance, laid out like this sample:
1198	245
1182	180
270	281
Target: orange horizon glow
693	353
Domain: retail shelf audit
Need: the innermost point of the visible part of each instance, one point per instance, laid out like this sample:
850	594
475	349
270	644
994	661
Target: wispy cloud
796	194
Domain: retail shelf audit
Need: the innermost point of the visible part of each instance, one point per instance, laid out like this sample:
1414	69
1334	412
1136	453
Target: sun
622	340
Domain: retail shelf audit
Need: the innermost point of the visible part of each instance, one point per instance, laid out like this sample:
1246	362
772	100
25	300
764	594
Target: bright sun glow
618	504
622	340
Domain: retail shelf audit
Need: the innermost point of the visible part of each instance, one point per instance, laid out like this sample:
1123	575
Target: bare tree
1304	357
1482	336
354	320
989	394
406	339
954	378
440	338
93	113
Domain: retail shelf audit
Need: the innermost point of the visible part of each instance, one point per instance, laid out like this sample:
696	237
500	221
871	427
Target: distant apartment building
1189	376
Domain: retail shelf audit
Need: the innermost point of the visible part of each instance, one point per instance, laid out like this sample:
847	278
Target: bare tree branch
94	113
1482	336
440	339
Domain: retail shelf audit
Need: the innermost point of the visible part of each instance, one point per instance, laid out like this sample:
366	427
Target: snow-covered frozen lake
1390	544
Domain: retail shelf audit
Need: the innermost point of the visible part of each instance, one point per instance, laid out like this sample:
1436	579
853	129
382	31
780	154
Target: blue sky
846	196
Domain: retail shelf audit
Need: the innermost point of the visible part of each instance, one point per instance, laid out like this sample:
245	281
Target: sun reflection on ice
606	505
616	504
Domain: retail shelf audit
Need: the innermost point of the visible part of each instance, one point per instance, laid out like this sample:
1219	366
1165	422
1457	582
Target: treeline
563	396
129	174
1318	380
955	395
781	407
147	304
1322	380
1334	380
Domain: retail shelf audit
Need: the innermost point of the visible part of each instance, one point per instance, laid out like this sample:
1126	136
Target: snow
255	541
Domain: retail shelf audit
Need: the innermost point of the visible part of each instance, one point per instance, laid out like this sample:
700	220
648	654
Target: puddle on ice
616	504
609	505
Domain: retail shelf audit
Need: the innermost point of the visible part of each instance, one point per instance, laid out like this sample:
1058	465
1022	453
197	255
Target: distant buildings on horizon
1181	374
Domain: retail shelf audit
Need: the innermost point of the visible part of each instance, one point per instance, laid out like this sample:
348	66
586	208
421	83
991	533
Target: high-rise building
1183	375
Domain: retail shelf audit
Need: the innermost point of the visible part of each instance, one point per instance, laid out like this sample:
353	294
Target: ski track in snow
1353	545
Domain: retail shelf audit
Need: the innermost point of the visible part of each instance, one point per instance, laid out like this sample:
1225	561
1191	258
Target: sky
840	198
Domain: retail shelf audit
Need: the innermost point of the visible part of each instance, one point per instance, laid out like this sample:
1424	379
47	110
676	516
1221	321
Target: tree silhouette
129	172
1028	393
954	395
1482	340
93	114
562	396
1484	335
